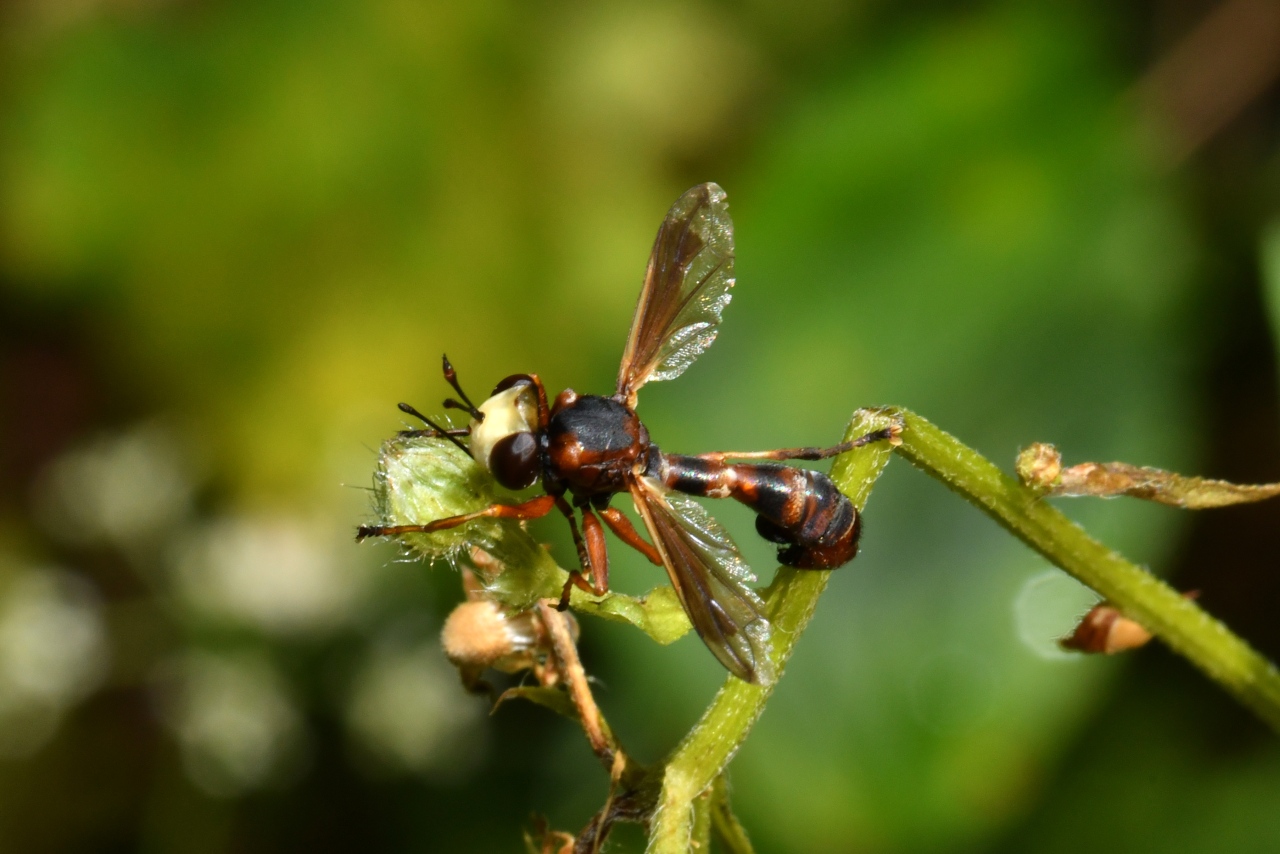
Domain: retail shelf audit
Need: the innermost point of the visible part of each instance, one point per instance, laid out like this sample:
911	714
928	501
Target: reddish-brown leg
598	551
593	557
625	531
811	453
584	560
534	508
578	580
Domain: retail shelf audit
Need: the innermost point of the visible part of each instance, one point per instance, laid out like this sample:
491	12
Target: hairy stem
1138	594
728	830
792	598
701	757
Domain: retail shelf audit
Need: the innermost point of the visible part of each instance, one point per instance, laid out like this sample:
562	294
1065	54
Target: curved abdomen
799	509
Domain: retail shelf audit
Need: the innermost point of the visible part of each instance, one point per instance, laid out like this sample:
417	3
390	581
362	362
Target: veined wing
710	578
686	287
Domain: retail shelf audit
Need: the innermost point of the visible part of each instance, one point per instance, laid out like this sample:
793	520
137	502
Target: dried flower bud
481	634
1039	466
1104	630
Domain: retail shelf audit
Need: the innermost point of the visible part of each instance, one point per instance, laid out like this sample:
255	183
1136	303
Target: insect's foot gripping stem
891	434
563	604
581	581
575	579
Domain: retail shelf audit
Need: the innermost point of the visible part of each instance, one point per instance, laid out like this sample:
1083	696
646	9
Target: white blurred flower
1048	606
237	727
121	490
53	653
277	573
623	70
408	710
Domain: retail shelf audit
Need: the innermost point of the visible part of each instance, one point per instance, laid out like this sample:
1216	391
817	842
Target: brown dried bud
1039	466
1104	630
480	635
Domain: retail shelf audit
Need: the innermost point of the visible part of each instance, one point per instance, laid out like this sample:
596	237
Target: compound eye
514	460
513	380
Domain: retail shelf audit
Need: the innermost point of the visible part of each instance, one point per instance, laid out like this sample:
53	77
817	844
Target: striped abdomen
796	508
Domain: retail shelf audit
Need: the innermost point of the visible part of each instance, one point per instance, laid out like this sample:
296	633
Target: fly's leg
597	550
625	531
584	558
887	434
534	508
596	564
593	555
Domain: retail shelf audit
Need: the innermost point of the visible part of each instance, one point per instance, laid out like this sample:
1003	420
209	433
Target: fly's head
504	433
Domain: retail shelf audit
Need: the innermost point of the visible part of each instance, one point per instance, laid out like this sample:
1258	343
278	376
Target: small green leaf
658	613
551	698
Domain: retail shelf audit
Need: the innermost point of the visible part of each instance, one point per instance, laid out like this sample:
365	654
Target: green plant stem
700	837
728	830
703	754
1173	618
707	749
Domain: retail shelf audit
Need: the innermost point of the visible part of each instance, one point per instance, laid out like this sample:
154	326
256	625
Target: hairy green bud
422	479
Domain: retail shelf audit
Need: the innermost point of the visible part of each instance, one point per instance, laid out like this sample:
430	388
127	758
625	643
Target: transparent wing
686	288
710	578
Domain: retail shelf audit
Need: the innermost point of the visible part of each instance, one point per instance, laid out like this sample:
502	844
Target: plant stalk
792	597
701	757
1167	614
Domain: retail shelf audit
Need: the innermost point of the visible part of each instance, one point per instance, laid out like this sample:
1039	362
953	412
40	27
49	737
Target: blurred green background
233	235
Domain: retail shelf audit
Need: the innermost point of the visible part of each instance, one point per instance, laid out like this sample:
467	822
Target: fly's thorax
594	443
505	441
